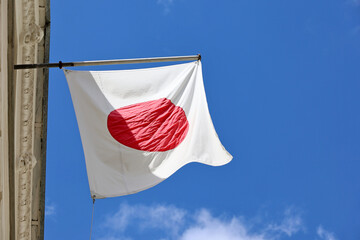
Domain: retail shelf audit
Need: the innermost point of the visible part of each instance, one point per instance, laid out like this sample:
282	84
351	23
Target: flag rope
92	216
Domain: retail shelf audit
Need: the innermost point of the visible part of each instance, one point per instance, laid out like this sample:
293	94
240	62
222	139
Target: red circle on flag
153	126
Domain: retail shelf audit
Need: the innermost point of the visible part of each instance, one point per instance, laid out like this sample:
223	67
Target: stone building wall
24	28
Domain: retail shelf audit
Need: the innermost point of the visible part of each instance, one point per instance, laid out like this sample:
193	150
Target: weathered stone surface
23	109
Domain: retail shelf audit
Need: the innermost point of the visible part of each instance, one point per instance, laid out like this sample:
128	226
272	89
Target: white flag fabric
140	126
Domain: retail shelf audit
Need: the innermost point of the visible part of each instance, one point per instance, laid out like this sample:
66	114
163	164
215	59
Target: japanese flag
140	126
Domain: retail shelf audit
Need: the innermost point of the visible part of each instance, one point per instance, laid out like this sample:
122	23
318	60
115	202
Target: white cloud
168	218
174	223
210	228
166	4
324	234
356	30
353	2
291	224
50	209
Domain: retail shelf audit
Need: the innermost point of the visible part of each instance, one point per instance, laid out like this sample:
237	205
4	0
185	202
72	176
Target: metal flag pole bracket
61	64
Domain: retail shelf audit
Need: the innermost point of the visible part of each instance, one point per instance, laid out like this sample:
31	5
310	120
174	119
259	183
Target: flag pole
61	64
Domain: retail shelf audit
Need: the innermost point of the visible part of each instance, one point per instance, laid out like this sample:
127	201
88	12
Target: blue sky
282	83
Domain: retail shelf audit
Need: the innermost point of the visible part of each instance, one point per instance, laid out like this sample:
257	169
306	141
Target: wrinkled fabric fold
140	126
154	126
